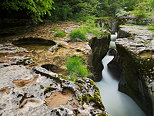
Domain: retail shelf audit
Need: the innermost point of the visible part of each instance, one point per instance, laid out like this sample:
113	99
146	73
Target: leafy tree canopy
35	8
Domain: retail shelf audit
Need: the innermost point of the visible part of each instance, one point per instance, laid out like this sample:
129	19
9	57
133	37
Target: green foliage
35	8
59	33
112	7
78	34
83	31
73	9
75	66
141	23
143	8
151	27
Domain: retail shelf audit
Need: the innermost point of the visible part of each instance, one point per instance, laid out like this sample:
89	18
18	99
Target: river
115	102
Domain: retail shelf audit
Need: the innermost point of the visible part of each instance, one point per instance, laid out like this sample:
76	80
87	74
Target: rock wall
99	47
115	65
137	58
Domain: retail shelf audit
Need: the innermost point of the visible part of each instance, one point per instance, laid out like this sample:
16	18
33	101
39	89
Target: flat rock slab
29	92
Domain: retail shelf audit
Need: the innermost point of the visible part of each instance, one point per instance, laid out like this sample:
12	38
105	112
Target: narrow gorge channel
115	102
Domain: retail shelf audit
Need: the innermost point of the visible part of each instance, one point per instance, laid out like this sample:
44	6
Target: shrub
78	34
75	66
59	33
151	27
81	33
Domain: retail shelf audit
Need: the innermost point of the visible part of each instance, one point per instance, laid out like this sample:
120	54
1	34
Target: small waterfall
115	102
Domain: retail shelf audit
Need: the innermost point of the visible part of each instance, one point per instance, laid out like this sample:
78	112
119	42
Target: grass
59	33
78	34
82	32
76	67
151	27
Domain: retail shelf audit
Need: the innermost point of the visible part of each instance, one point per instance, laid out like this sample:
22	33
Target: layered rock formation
135	46
99	48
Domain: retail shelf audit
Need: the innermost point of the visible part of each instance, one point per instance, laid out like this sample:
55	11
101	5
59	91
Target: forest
80	10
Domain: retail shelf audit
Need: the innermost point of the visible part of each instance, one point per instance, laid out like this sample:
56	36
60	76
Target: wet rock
34	40
136	54
99	48
115	65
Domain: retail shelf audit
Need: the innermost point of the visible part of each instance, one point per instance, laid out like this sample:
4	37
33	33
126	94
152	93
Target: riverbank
34	79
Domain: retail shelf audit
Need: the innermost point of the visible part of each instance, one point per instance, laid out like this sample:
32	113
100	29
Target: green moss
48	89
41	86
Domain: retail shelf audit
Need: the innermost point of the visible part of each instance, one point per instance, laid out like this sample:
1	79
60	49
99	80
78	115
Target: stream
115	102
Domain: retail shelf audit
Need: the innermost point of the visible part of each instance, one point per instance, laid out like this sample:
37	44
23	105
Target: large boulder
137	58
99	47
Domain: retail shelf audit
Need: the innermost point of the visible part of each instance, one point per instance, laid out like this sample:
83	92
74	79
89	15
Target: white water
115	102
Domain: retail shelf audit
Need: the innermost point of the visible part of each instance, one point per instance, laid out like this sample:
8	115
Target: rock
33	40
59	45
99	48
23	92
115	65
10	49
108	23
21	60
137	65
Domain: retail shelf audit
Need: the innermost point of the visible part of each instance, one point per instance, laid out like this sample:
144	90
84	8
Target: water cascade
115	102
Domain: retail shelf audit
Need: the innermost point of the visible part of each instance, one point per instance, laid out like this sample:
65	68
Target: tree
35	8
111	7
144	8
73	9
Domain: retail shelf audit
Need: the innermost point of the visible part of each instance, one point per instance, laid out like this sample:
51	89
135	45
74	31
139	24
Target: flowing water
115	102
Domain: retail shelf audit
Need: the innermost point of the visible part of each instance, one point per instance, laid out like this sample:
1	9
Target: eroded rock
136	53
99	48
23	92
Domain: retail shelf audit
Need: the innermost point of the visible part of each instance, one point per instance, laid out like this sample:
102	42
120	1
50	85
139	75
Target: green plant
59	33
88	28
140	23
151	27
72	77
76	67
78	34
36	9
